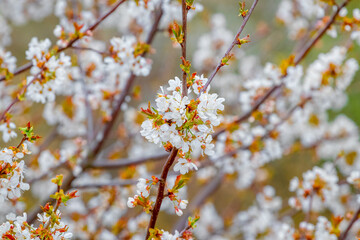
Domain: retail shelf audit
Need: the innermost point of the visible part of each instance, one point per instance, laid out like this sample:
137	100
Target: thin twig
118	183
183	45
227	53
351	223
16	100
160	195
120	163
89	49
184	230
311	44
172	156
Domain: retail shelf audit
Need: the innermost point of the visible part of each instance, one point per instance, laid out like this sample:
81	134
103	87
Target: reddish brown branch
127	162
172	156
118	183
160	195
299	57
183	45
16	100
351	223
8	109
235	41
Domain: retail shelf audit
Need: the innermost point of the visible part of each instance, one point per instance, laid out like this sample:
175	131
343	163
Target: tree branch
160	194
183	45
220	64
351	223
120	163
312	43
118	183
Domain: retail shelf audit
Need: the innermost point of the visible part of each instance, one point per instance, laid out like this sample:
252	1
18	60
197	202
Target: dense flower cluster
126	55
317	189
12	173
7	63
182	123
17	228
48	72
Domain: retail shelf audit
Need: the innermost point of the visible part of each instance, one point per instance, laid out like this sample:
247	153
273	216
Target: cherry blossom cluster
143	190
185	235
51	227
12	173
17	228
7	130
8	64
48	73
299	15
317	189
182	123
126	56
324	229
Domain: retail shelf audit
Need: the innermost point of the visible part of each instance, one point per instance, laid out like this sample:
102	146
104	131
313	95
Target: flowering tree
86	153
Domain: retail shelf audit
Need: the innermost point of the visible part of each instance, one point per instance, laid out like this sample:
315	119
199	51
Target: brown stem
16	100
90	49
351	223
312	43
65	187
172	156
2	117
253	109
57	205
184	230
160	194
22	141
220	64
120	163
183	45
118	183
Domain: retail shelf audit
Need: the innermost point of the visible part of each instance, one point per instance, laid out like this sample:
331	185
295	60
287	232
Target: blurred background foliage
269	42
